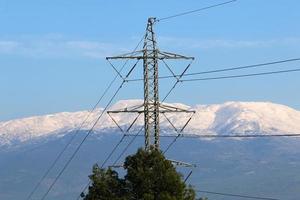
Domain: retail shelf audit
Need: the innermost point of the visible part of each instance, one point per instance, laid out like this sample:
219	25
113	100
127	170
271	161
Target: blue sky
52	52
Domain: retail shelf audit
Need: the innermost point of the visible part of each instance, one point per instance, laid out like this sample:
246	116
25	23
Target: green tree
149	177
105	185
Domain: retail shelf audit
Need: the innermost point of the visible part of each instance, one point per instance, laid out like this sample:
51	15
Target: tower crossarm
168	55
164	108
161	55
180	163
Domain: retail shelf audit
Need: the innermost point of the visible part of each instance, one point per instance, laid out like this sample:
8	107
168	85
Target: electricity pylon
152	107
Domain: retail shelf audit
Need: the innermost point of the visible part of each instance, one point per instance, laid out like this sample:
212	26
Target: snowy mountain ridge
226	118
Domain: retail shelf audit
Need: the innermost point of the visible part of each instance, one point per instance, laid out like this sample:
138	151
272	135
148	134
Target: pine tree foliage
149	177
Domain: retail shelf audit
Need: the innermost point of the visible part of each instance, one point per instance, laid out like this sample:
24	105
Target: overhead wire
72	137
235	195
78	129
233	76
225	69
102	165
86	186
90	131
123	137
173	142
81	143
229	69
242	75
194	11
226	136
244	67
127	146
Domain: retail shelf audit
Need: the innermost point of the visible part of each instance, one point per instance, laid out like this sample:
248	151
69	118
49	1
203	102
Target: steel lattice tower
152	107
151	95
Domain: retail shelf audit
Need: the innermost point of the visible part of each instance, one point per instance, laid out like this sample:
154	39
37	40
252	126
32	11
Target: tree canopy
149	176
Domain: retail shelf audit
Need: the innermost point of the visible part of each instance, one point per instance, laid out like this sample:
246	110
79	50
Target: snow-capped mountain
227	118
259	166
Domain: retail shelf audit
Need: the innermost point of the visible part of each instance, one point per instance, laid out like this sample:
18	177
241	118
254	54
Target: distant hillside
227	118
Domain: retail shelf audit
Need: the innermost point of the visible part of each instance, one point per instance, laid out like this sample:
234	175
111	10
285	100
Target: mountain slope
259	166
227	118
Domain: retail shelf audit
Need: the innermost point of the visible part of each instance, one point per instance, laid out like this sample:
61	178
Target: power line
89	132
173	142
235	195
193	11
233	76
81	143
225	136
241	75
77	131
117	145
227	69
105	161
127	146
244	67
71	139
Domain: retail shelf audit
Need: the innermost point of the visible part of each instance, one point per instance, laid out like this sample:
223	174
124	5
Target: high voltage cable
196	10
226	136
87	185
220	136
89	132
242	75
77	131
173	142
121	140
105	161
81	143
228	77
235	195
226	69
244	67
127	146
72	138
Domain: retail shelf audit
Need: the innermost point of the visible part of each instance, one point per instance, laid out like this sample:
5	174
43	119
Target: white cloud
57	46
8	46
226	43
86	45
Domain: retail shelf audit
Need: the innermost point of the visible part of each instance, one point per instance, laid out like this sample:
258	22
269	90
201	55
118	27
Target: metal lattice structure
151	95
152	107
